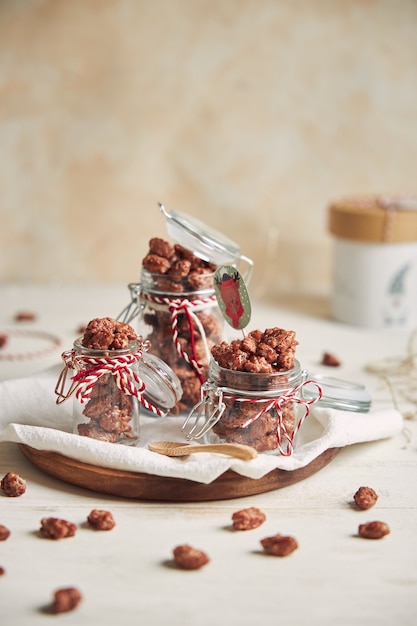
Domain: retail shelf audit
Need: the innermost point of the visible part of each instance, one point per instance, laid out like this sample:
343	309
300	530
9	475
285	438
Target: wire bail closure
133	309
175	306
209	393
88	369
203	408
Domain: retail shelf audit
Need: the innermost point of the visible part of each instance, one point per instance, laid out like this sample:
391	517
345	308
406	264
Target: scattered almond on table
101	520
247	519
188	557
373	530
279	545
13	485
65	600
25	316
4	533
330	360
55	528
365	497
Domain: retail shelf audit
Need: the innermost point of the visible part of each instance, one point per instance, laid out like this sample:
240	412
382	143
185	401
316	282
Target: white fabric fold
29	415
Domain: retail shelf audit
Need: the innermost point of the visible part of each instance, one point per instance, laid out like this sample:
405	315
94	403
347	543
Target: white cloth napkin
30	415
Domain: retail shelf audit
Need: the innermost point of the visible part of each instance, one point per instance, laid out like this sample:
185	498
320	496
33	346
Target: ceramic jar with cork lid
375	261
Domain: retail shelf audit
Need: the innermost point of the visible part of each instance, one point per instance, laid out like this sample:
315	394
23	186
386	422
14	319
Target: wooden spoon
175	448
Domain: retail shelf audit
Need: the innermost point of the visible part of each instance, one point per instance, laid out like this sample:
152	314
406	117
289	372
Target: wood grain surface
160	488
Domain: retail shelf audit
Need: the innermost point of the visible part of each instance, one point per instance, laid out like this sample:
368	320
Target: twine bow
188	307
89	369
278	404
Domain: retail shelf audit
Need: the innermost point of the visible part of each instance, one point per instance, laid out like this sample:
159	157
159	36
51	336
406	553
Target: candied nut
258	365
4	533
160	247
201	278
13	485
179	270
167	284
55	528
365	497
115	420
246	519
105	333
373	530
189	558
3	339
156	264
259	352
101	520
95	432
180	265
2	571
279	545
330	359
25	316
66	599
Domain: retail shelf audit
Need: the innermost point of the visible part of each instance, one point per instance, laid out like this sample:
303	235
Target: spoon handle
236	450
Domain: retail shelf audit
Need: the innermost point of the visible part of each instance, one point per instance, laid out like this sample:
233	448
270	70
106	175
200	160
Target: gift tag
232	296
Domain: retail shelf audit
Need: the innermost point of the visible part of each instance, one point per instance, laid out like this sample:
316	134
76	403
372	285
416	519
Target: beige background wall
249	114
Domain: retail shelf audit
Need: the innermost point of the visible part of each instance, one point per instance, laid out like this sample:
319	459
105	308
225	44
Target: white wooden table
334	578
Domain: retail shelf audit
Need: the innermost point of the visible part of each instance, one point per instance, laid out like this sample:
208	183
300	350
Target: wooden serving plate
150	487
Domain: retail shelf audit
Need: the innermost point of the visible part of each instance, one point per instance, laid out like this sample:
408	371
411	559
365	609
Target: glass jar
264	411
181	327
180	317
111	386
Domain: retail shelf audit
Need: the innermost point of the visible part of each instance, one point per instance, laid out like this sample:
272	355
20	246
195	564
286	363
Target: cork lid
384	219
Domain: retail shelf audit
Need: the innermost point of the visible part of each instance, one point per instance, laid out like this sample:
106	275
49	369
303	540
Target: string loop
189	308
214	402
88	370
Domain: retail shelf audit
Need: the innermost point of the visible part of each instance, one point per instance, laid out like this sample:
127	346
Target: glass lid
163	387
206	243
339	394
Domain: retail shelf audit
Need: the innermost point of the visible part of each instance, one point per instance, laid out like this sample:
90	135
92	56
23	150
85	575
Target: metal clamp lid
206	243
162	385
339	394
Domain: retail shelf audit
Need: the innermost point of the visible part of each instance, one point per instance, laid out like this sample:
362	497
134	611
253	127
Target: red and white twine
278	404
89	369
177	306
32	334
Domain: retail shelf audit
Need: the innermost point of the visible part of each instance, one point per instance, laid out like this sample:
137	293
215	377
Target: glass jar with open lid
110	388
266	410
175	302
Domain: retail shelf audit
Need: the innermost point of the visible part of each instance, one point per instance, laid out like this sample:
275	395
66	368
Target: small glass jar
110	387
264	411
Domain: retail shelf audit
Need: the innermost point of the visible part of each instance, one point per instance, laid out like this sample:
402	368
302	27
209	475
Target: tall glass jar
111	386
178	312
181	327
262	410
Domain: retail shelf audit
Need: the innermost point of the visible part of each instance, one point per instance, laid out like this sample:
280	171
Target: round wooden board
150	487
